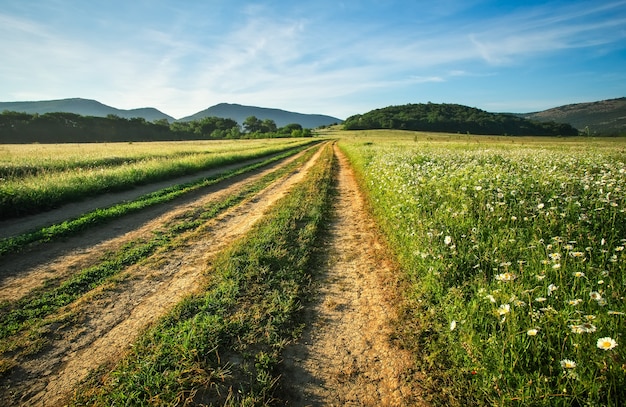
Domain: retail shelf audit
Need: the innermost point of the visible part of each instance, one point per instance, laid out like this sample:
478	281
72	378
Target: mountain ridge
281	117
84	107
237	112
603	117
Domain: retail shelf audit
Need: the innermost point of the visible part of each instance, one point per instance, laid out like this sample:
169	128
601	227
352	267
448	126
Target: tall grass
222	346
515	254
28	187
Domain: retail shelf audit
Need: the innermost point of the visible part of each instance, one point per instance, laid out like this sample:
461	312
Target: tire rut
97	330
346	356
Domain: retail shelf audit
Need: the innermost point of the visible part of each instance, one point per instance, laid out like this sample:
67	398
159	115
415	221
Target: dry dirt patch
346	357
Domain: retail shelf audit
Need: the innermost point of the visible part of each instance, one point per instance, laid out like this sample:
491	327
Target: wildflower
540	277
590	317
519	303
447	240
552	288
575	302
585	328
503	309
568	364
506	277
594	295
540	206
452	325
568	247
490	298
532	332
555	256
615	313
579	274
606	343
556	266
541	299
478	188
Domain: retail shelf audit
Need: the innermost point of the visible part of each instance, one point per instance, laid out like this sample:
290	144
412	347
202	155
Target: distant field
38	177
514	252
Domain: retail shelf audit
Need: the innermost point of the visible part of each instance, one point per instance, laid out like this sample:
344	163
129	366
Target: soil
346	355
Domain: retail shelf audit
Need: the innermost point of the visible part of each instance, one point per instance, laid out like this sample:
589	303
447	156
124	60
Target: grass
30	185
514	250
222	346
33	308
103	215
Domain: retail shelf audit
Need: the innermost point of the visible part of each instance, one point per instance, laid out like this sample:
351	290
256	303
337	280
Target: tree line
17	127
452	118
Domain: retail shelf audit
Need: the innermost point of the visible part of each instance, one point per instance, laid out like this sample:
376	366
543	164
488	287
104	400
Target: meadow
38	177
513	254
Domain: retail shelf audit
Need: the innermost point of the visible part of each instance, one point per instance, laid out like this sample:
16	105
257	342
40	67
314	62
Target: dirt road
346	356
96	330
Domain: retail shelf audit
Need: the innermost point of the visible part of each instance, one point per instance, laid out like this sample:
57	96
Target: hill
282	118
452	118
606	117
83	107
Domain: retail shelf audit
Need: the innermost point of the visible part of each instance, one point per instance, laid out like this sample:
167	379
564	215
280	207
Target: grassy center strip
30	310
223	346
100	216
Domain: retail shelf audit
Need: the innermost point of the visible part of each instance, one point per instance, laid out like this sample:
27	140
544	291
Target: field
363	268
514	252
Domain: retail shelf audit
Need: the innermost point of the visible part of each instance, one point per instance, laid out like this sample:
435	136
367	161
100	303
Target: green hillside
602	118
453	118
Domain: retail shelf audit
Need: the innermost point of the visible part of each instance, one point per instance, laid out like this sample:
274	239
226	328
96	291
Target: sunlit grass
222	346
514	247
36	178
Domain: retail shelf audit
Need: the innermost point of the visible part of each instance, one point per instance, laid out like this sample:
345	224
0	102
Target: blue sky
330	57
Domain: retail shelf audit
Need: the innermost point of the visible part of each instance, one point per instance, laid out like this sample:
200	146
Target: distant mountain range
83	107
606	117
88	107
281	117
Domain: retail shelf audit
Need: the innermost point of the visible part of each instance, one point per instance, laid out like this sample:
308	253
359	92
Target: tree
252	124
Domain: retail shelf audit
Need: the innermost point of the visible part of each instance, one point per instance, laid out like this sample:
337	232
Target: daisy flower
606	343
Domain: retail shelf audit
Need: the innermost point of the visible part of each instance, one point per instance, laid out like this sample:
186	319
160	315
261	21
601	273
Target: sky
332	57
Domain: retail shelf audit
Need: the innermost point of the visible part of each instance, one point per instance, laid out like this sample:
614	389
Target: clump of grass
517	266
222	346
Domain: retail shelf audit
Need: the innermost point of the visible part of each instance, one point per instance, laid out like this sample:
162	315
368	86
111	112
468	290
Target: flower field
514	253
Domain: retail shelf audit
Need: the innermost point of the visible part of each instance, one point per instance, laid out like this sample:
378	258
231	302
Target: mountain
453	118
282	118
606	117
84	107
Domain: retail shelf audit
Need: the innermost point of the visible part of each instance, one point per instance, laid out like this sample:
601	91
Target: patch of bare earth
97	330
347	356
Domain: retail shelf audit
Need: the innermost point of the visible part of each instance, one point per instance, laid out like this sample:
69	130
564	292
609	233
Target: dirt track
345	358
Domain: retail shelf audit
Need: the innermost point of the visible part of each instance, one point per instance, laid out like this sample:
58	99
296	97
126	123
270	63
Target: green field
510	252
41	177
514	252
